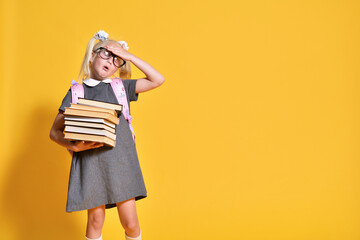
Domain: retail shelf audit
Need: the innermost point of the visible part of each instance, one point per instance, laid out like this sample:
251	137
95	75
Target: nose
110	60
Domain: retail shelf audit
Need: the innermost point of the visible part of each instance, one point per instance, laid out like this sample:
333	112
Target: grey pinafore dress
105	175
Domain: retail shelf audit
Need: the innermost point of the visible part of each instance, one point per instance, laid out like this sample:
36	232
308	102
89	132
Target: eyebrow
112	53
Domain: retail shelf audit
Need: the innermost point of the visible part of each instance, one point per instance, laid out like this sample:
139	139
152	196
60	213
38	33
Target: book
94	131
92	120
89	120
94	103
95	114
91	108
90	137
90	125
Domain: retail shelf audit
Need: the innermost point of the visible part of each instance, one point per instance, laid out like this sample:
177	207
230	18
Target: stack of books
91	120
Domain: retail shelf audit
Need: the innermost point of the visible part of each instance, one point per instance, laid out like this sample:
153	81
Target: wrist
131	57
71	146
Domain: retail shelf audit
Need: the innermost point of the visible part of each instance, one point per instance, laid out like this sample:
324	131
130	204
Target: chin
105	75
108	75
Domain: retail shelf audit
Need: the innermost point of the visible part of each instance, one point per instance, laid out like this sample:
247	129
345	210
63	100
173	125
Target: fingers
81	145
116	50
94	144
90	144
111	49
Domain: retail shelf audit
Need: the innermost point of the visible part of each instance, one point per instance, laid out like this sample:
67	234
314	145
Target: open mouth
106	68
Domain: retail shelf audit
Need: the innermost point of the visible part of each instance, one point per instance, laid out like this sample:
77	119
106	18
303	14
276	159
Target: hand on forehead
116	49
112	44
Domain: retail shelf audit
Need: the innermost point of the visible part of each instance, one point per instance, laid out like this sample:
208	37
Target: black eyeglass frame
112	55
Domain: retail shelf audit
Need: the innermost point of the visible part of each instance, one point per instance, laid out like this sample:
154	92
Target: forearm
151	73
58	137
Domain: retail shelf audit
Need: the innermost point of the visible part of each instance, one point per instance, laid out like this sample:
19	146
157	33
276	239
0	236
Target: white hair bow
123	43
101	35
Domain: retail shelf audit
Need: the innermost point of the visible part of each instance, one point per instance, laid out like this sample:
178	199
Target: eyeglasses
105	54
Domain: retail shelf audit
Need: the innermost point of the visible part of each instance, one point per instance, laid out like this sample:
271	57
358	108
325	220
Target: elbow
52	135
161	81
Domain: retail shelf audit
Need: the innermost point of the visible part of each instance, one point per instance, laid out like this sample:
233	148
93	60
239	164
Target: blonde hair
124	72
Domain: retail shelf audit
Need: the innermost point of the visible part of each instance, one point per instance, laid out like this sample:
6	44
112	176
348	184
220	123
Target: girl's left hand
119	51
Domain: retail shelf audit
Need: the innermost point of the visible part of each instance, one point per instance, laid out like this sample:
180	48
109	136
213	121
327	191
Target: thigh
127	213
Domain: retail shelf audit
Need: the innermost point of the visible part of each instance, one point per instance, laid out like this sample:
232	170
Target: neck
97	77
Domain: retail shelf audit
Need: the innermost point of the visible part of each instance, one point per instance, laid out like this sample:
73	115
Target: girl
102	177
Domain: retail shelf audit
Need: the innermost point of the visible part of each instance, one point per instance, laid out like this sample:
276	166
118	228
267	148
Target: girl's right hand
79	146
57	135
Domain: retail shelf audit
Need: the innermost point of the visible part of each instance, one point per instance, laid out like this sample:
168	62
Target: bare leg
96	218
128	217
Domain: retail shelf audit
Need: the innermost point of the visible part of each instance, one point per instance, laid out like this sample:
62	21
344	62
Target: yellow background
253	135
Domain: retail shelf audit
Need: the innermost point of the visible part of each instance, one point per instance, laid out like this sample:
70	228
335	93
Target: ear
92	57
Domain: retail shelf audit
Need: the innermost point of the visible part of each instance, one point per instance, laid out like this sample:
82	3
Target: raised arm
153	78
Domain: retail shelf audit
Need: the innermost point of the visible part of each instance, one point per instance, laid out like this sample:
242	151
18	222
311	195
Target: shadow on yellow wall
35	189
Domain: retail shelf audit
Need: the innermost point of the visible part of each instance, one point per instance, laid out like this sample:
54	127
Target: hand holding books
81	145
93	122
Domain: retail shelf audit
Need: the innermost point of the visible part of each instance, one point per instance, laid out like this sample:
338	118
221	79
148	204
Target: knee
96	220
131	227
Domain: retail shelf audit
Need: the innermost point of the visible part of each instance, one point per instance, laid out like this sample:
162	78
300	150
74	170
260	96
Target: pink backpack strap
77	91
120	93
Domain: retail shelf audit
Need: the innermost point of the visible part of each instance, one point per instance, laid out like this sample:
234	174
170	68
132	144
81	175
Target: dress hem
110	204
